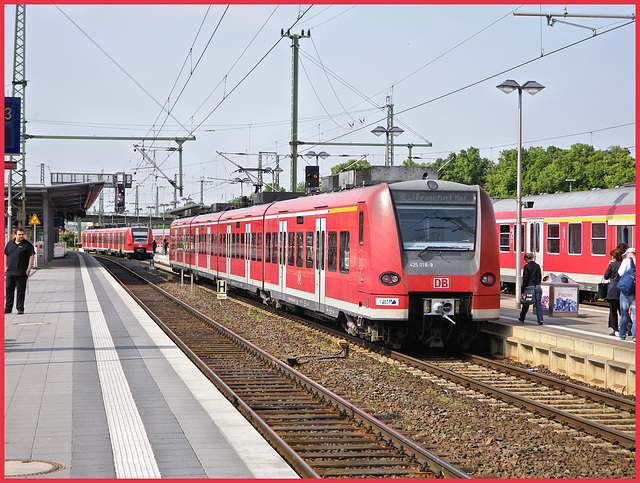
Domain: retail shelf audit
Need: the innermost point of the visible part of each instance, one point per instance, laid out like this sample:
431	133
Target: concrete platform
578	346
94	389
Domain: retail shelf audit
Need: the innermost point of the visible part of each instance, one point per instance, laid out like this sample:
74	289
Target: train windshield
436	220
140	235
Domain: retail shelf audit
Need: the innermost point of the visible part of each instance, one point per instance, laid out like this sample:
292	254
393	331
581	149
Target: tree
352	165
467	167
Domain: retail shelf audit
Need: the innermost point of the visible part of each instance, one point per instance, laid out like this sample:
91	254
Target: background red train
126	241
415	260
570	233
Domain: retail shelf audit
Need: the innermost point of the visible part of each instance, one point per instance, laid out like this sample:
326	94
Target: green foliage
466	167
352	165
543	170
68	237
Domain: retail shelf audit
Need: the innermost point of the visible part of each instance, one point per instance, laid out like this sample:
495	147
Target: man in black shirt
19	256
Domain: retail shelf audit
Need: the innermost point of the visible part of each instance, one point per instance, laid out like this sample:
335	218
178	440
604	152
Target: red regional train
570	233
413	260
126	241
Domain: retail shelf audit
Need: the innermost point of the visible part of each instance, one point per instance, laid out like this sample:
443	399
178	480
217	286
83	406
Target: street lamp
321	154
532	87
395	131
241	181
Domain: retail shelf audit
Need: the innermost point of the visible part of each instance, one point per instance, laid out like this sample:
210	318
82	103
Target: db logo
441	283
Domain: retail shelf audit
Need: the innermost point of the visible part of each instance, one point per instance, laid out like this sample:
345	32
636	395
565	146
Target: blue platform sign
12	125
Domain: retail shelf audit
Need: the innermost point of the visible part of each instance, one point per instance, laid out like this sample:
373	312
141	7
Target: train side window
332	251
361	228
259	248
344	251
598	238
505	231
292	248
254	249
553	238
233	245
267	247
309	249
575	238
624	235
522	242
299	248
317	250
274	248
243	245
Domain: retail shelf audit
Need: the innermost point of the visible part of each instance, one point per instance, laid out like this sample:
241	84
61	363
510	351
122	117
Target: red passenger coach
126	241
410	260
570	233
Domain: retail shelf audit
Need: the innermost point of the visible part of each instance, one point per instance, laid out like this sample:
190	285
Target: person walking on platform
627	302
613	294
19	256
532	277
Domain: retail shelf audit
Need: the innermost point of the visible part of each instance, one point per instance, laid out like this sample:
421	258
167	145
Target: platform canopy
68	200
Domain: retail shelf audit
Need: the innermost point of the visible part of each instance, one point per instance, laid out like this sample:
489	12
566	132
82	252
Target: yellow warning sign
34	220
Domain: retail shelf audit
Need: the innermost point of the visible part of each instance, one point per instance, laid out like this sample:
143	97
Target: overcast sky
223	74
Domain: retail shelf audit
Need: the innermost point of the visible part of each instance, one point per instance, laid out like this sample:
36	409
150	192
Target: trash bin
559	295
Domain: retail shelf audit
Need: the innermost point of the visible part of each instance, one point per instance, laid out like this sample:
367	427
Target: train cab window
361	228
299	248
292	248
267	247
553	238
259	248
344	251
575	239
309	249
598	238
332	251
505	231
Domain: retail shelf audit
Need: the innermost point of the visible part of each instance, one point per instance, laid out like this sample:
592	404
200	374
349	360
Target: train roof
620	196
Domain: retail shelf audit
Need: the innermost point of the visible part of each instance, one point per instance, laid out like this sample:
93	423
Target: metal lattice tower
18	176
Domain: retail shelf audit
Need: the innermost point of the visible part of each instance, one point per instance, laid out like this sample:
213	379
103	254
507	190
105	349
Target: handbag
603	288
528	296
627	283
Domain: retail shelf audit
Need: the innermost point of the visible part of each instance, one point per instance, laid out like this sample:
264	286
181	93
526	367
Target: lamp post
570	180
321	154
532	87
395	131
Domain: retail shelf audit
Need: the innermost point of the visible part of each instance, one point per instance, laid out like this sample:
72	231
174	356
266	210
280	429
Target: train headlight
390	278
488	279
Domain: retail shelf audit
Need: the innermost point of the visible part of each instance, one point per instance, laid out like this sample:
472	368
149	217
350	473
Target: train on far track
410	261
126	241
569	233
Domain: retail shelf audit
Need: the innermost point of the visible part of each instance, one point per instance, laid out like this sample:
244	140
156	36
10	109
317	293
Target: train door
535	243
228	251
247	252
321	229
282	256
183	246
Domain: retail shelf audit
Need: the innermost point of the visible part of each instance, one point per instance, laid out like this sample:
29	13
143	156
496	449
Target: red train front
413	260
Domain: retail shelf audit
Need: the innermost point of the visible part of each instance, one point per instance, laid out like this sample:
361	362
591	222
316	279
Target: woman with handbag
613	294
532	277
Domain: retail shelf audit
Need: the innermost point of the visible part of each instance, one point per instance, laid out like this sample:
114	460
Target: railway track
317	432
596	413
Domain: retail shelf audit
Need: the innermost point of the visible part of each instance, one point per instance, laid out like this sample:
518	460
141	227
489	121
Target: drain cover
30	467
